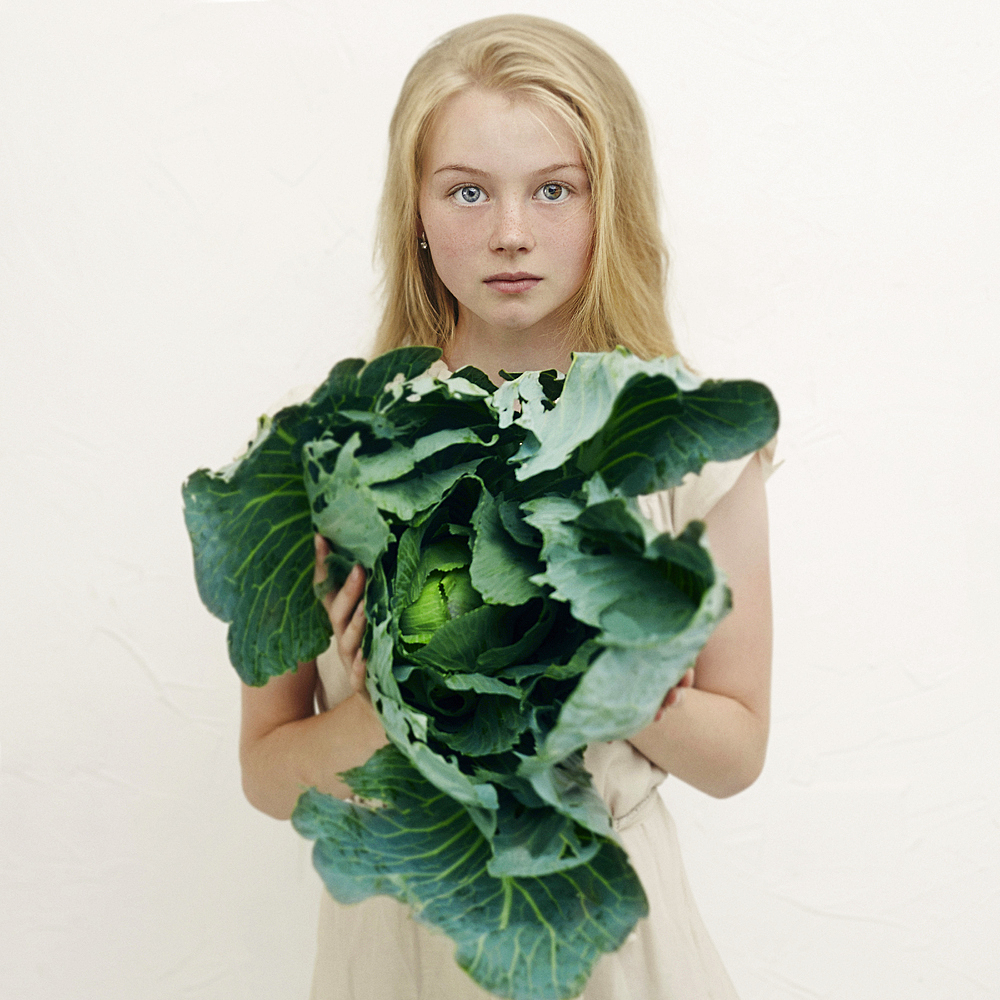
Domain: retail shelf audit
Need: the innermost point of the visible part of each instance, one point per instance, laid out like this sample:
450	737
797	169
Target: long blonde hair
622	298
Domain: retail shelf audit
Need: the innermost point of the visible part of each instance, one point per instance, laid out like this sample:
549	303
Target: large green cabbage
520	606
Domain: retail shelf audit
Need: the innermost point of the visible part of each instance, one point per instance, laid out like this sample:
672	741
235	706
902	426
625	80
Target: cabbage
519	607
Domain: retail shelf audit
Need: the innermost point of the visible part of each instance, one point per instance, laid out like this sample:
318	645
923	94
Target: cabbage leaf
520	606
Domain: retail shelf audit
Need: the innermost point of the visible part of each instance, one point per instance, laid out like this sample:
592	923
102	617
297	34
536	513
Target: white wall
186	208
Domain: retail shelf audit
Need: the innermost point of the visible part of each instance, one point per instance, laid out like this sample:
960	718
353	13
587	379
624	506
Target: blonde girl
519	224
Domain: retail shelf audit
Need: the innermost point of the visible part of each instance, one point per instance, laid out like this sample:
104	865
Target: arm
714	735
285	745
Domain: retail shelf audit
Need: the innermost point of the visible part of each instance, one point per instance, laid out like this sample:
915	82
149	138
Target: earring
422	240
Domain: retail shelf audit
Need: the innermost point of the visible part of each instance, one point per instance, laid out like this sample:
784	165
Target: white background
187	196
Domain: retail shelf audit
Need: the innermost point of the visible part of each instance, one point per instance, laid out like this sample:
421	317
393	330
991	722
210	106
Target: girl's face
506	209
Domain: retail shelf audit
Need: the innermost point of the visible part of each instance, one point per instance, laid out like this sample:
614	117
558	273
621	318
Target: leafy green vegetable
446	592
516	935
519	606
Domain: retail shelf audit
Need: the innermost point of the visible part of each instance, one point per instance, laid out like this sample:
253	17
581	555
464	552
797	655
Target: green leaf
340	384
513	520
642	425
352	384
487	639
408	729
538	842
477	377
531	627
535	937
480	683
603	708
441	556
418	492
251	533
494	724
400	460
513	399
634	601
566	785
652	439
444	597
589	390
251	523
501	567
407	362
636	598
655	610
472	714
343	506
457	645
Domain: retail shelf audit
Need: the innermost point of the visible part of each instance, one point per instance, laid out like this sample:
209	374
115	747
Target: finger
322	551
359	669
345	601
349	639
664	705
672	700
673	696
320	569
669	699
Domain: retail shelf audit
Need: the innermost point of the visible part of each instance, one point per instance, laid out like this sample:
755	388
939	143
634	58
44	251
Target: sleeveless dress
374	951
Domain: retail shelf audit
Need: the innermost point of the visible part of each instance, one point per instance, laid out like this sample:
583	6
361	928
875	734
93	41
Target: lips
509	283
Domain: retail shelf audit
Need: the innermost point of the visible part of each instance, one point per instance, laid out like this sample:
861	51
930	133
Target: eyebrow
462	168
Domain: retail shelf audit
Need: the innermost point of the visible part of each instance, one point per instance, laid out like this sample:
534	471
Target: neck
512	351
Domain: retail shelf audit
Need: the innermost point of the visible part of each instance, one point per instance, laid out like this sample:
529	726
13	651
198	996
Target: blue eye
470	194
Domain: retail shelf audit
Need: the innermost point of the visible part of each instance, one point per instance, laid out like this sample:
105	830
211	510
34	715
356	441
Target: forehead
485	129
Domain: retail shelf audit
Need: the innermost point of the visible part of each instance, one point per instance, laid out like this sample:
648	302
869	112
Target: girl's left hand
346	609
676	693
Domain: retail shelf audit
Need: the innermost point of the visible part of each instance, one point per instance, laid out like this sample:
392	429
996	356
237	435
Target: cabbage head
519	607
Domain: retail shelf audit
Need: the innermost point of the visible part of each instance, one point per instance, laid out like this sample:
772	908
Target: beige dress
374	951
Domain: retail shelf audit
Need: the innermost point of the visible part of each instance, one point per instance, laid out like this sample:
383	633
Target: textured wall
186	208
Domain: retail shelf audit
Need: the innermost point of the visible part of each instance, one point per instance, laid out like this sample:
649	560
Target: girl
519	224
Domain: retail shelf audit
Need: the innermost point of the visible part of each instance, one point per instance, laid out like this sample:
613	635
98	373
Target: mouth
508	283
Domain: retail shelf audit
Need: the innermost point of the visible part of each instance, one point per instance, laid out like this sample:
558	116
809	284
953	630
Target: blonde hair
622	297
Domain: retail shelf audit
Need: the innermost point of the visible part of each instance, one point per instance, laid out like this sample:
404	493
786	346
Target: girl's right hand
346	608
674	695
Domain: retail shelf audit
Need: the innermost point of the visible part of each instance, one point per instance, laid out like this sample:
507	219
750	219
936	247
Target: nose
512	228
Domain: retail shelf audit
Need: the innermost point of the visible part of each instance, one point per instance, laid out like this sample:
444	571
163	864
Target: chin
517	322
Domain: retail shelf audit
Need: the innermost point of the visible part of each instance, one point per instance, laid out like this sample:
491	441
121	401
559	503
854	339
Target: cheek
454	242
453	251
575	242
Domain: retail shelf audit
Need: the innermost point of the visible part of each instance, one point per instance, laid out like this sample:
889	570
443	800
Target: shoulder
700	492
